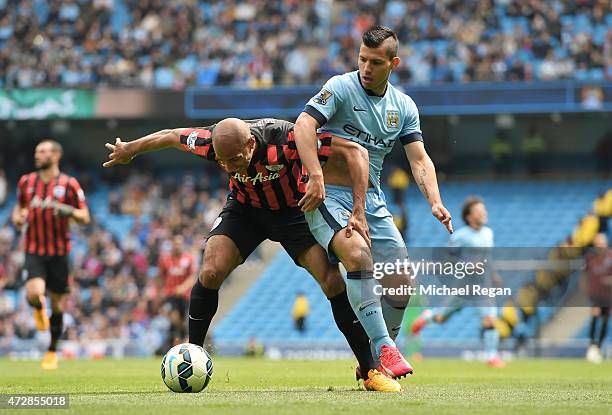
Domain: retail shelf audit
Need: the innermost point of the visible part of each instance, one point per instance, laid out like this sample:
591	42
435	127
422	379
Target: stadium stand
156	44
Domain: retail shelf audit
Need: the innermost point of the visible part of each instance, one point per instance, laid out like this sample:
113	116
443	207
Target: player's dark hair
55	146
468	203
376	35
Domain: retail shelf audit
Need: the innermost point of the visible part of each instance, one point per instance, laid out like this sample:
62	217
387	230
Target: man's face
177	245
478	216
45	156
375	65
236	158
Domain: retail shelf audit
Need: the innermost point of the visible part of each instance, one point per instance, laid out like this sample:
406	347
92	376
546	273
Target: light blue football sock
393	316
366	304
491	342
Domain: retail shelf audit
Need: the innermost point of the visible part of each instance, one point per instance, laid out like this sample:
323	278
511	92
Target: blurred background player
46	200
474	235
399	181
599	274
176	270
301	309
265	179
363	107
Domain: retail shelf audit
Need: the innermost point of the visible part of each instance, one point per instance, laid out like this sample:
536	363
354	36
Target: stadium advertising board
46	103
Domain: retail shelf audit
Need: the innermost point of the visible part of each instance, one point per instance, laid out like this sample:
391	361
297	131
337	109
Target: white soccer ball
186	368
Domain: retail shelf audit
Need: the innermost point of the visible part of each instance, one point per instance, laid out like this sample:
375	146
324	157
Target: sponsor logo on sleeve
191	140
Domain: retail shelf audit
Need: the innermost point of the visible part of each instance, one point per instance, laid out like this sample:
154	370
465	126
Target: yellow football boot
49	361
380	382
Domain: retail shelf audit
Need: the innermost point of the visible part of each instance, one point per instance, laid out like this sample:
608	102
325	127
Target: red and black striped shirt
48	234
274	178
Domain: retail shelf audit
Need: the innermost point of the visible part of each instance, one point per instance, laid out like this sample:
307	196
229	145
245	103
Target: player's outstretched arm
424	173
306	141
122	152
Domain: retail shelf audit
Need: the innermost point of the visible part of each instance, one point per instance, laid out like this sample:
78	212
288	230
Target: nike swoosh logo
364	307
358	109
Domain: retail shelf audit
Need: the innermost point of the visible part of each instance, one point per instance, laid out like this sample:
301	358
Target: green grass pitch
134	386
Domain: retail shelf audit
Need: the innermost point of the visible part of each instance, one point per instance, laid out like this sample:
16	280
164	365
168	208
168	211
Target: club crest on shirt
323	96
392	119
275	167
59	192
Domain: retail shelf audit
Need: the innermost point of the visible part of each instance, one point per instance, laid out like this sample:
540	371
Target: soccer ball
186	368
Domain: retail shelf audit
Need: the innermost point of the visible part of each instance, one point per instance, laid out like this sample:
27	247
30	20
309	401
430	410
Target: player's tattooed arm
424	173
123	152
421	182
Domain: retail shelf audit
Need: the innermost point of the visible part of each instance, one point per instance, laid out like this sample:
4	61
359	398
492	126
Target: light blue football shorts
333	214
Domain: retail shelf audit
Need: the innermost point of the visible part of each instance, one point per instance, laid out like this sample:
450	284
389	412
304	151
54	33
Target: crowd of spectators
485	40
117	290
152	43
258	44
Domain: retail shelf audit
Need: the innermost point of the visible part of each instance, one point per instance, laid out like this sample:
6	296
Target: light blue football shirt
468	237
478	244
346	109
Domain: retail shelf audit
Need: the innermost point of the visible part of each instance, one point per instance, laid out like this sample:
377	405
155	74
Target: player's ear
395	62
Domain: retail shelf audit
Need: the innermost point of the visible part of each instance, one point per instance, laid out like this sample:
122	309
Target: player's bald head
230	135
234	144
